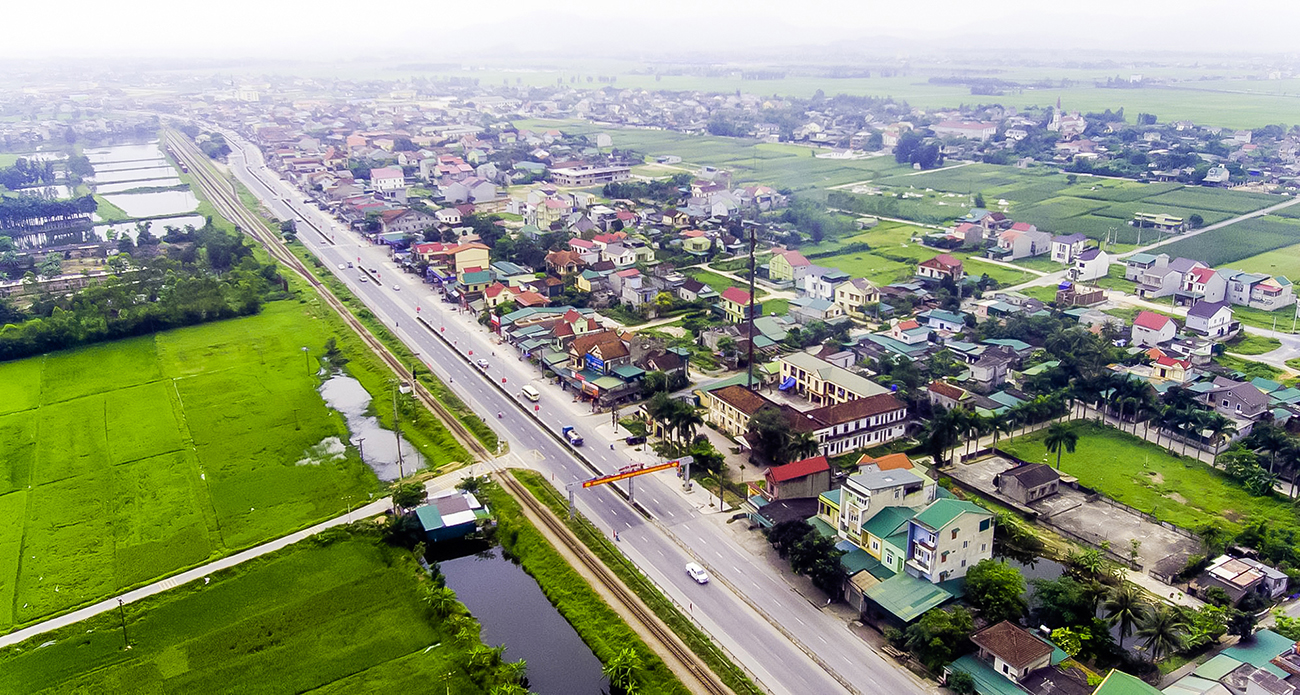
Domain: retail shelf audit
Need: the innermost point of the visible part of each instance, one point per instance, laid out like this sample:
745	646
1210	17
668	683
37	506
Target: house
941	267
909	332
1240	576
991	368
599	352
1164	280
735	305
448	216
563	262
941	320
470	190
449	515
822	282
1119	683
405	220
1237	400
853	295
1066	247
973	130
787	265
806	310
861	422
590	175
1071	294
864	496
1212	319
1259	291
1160	221
807	478
387	179
1140	263
943	394
1028	482
1151	329
619	255
946	538
731	407
693	289
823	383
1023	243
467	256
1012	650
1166	368
1091	264
888	462
1203	284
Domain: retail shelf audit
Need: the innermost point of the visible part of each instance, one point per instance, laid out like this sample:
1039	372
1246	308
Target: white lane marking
628	524
797	620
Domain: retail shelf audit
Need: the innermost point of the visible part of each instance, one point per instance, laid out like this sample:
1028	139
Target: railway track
671	645
225	198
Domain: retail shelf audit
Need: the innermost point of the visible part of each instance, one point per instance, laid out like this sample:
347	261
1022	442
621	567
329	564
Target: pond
133	174
157	227
514	612
124	153
143	183
379	447
154	204
129	164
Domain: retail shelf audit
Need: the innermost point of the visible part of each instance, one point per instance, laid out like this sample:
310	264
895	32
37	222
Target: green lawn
1283	319
1043	293
131	460
342	617
1282	261
1176	489
719	283
864	264
778	307
1249	368
1247	344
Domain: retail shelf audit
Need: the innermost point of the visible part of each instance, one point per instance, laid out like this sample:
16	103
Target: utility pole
121	609
361	451
753	241
397	435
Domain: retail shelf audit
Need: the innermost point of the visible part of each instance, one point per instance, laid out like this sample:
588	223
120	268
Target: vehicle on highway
634	440
343	266
481	364
349	264
696	572
571	435
396	288
531	393
361	278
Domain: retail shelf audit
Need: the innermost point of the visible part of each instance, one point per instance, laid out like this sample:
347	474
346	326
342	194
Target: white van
531	393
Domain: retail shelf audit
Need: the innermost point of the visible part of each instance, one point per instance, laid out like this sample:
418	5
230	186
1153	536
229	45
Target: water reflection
379	448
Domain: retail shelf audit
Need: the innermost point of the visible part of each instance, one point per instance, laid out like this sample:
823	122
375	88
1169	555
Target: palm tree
1147	409
998	424
1163	629
1126	606
441	601
685	421
1220	428
1272	439
975	428
1061	438
945	429
802	446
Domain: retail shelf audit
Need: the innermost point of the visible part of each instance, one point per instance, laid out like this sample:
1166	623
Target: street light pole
121	609
307	354
397	435
361	451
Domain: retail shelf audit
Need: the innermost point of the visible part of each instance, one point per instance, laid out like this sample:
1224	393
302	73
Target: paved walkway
202	572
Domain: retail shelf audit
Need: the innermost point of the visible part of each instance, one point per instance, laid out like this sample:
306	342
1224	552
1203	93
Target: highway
773	645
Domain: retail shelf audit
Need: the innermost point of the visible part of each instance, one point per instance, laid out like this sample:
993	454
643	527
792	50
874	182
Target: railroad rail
225	198
672	646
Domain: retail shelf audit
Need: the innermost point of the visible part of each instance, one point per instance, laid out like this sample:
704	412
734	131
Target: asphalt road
774	658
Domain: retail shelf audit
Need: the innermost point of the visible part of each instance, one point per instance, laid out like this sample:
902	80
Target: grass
1283	319
1043	293
603	630
132	460
778	307
1247	344
1180	490
720	283
340	617
109	212
1243	240
691	635
1281	261
1250	369
865	264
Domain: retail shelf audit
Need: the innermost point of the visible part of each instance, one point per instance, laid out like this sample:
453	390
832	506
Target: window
1004	669
984	547
963	563
965	544
943	557
985	524
954	533
889	559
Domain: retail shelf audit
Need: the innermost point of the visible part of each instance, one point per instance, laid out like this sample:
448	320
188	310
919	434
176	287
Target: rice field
131	460
343	617
1243	240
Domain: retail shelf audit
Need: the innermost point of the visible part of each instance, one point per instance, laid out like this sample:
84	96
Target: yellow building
731	407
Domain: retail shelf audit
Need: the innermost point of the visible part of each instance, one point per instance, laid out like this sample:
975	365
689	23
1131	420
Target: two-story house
1090	265
1259	291
1203	285
807	478
1023	241
1211	319
941	267
865	495
734	303
821	283
909	332
1162	281
1139	263
851	296
1151	329
787	265
1066	246
387	180
854	424
946	538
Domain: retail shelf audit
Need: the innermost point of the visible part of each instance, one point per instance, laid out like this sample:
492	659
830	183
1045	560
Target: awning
788	384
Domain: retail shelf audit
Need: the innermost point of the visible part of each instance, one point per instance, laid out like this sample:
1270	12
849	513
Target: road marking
654	500
628	524
797	620
823	639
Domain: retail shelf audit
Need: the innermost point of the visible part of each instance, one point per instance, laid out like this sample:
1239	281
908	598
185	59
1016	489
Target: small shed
450	515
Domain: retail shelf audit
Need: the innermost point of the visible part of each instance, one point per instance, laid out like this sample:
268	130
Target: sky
442	30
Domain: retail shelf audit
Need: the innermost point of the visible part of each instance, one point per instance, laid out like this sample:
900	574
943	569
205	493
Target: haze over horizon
756	30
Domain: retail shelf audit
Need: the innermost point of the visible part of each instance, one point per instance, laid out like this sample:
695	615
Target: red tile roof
888	462
1012	643
736	295
741	398
947	390
942	261
1151	320
799	469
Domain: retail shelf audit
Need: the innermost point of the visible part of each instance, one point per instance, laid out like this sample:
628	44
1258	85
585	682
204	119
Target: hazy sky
453	30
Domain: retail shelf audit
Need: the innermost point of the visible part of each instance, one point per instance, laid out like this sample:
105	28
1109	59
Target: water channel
514	612
378	445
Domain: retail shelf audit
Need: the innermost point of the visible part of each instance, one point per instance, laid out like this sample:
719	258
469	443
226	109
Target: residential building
809	309
1212	319
1240	576
1090	265
991	368
731	407
1023	243
563	262
735	305
1012	650
1203	285
590	175
941	267
693	289
973	130
1151	329
865	495
941	320
862	422
854	294
387	180
1238	400
449	515
807	478
1066	247
1160	221
946	538
1028	482
787	266
1164	280
1139	263
1166	368
909	332
470	190
1259	291
821	283
823	383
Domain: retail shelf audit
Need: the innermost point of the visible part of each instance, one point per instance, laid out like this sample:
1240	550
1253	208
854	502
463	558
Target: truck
571	435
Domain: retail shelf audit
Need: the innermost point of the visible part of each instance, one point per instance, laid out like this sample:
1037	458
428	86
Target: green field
1243	240
1247	344
342	617
1183	491
1282	261
131	460
864	264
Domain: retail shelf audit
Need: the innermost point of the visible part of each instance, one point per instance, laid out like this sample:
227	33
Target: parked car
571	435
696	572
362	278
634	440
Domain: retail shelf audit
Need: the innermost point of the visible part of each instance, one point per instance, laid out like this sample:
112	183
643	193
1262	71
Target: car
482	364
696	572
343	266
361	278
634	440
396	288
349	264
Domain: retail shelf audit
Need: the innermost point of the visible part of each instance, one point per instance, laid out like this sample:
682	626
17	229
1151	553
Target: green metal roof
429	517
1259	651
608	382
887	521
1218	667
1008	342
940	513
831	497
907	597
627	371
821	527
1120	683
987	681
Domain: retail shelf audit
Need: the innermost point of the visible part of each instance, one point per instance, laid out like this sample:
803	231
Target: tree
816	557
441	601
1062	602
937	638
409	495
1164	629
624	670
1242	624
996	590
946	428
961	683
786	534
1060	438
803	446
1286	626
51	266
1126	606
999	424
772	435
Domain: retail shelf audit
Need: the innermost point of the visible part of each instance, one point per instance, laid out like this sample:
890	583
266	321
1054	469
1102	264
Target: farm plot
134	459
877	269
1283	261
311	616
1117	191
1238	241
1217	199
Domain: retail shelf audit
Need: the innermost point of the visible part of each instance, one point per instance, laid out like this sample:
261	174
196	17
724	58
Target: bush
961	683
